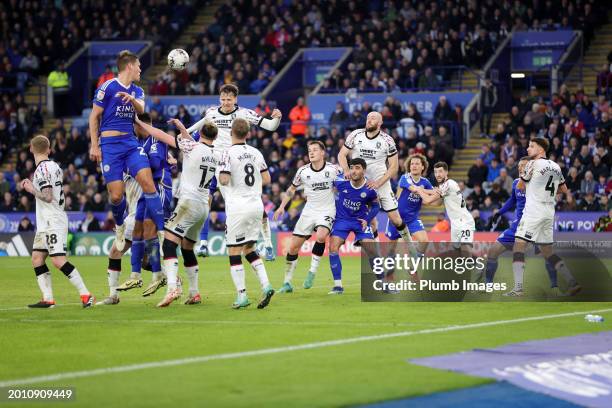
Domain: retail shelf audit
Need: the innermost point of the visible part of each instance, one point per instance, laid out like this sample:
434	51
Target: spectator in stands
25	204
443	111
493	172
497	194
488	101
299	116
604	223
288	224
259	84
442	224
504	180
90	223
109	222
589	203
8	203
108	74
339	116
428	81
477	174
25	224
587	186
59	82
478	195
4	185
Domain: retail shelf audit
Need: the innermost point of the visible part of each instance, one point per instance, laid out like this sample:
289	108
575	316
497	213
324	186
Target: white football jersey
224	123
543	178
374	151
244	164
318	185
454	203
199	166
48	174
133	192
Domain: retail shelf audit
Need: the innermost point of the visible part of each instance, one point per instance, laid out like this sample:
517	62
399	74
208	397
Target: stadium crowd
398	45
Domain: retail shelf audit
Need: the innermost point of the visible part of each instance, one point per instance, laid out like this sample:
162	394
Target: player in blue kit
409	203
356	206
505	241
114	144
143	240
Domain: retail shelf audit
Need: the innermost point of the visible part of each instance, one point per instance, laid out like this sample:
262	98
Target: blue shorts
342	228
507	238
120	153
165	194
414	225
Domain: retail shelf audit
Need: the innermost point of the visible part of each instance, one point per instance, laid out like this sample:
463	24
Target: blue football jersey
409	203
352	203
158	160
117	115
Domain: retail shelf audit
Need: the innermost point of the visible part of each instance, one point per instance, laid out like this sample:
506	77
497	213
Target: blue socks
138	247
552	274
204	231
336	266
491	269
155	210
152	248
118	211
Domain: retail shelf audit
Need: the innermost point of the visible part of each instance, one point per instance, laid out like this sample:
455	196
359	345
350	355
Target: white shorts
462	234
53	241
538	229
387	199
311	219
243	227
187	219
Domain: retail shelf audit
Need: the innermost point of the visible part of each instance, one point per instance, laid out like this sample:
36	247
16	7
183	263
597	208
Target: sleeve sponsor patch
100	95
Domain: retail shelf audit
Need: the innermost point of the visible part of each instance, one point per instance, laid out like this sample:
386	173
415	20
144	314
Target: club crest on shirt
363	195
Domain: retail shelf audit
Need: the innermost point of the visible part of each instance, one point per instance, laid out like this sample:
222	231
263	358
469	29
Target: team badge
378	145
363	195
106	168
327	174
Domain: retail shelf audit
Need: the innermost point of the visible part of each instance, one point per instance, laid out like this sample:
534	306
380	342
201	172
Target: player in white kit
542	179
200	162
317	179
376	148
243	173
51	225
223	116
462	222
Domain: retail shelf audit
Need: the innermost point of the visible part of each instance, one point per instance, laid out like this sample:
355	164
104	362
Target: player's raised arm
196	126
157	133
95	154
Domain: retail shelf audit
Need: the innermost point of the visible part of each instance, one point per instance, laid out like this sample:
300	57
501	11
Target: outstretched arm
157	133
288	197
271	124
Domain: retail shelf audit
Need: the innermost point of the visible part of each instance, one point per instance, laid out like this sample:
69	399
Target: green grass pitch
69	338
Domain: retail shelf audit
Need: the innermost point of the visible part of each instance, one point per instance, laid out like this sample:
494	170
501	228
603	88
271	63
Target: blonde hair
40	144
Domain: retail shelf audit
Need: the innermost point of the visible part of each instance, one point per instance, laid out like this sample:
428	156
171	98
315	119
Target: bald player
380	154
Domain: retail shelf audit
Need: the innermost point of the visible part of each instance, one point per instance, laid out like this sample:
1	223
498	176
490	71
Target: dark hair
240	128
317	143
229	88
358	161
145	117
542	142
527	158
209	130
442	165
124	58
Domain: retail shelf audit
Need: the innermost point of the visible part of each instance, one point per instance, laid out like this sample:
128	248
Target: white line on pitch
221	322
276	350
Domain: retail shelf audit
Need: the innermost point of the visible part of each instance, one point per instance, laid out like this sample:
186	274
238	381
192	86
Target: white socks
291	265
314	263
44	283
77	282
237	272
260	271
113	282
171	267
267	234
518	269
192	277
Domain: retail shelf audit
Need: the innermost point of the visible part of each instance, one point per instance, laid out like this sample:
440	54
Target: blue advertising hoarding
322	106
532	50
318	62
